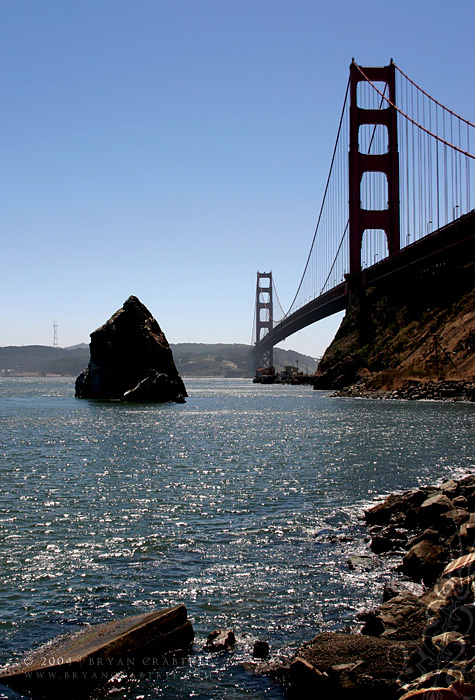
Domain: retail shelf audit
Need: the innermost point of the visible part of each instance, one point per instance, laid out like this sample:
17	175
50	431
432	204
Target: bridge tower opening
264	318
373	247
361	163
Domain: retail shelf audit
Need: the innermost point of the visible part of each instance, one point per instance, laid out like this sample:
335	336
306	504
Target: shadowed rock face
131	360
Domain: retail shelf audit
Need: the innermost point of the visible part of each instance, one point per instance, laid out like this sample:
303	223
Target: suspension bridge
397	198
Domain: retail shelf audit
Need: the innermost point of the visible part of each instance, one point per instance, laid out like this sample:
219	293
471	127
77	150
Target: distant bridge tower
360	163
264	318
55	334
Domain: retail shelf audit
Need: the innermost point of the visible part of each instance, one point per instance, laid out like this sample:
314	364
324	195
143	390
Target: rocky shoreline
414	390
420	642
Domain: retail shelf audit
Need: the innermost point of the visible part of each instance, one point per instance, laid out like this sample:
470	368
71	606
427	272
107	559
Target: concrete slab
97	652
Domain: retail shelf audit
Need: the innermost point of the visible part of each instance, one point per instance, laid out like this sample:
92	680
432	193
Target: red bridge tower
264	318
360	163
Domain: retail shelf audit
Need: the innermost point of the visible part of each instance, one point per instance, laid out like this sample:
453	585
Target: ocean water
244	504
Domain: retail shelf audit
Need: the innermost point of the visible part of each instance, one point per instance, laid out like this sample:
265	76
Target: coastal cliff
406	332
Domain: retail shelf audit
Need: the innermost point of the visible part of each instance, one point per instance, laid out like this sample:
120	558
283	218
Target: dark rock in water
220	640
361	562
260	650
131	360
89	657
398	509
388	539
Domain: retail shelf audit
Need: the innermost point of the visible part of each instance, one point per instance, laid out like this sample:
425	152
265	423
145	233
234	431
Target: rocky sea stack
131	360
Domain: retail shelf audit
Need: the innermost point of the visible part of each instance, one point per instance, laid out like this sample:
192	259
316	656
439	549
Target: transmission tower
55	334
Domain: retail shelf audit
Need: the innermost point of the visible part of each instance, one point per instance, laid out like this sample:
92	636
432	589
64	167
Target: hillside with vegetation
191	359
224	360
43	360
419	330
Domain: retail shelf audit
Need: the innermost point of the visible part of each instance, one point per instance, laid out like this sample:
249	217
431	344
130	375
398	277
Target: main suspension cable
277	296
423	128
454	114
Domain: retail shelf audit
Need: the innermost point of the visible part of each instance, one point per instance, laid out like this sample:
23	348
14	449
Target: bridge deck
427	251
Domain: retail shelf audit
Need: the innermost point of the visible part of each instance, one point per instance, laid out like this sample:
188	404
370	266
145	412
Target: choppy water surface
243	504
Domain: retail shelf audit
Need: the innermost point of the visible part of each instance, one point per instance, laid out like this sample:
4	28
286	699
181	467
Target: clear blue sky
172	148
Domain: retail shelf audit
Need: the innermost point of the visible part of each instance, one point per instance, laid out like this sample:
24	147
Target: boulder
469	495
434	506
131	360
468	482
402	617
381	544
450	487
397	508
467	490
393	588
467	532
425	560
388	539
304	675
430	535
220	640
336	660
460	502
451	521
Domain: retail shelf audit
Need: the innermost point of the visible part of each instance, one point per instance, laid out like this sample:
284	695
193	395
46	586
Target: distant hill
191	359
224	360
42	359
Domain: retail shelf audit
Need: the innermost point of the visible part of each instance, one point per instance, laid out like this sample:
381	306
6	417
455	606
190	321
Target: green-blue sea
244	504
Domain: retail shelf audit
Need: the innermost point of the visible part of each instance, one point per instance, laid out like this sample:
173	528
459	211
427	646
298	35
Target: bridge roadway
457	238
